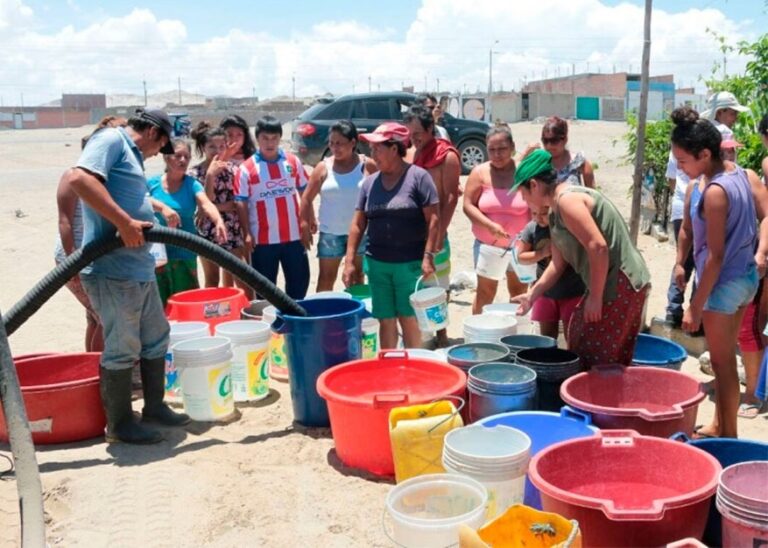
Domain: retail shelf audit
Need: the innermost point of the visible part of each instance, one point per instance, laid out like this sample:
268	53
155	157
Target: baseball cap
721	100
388	131
730	143
159	119
537	162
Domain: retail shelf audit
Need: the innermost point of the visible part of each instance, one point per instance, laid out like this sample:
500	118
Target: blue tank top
740	227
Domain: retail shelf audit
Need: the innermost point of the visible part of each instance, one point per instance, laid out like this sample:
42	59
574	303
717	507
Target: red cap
388	131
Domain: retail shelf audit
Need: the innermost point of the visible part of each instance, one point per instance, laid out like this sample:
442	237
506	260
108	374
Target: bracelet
430	254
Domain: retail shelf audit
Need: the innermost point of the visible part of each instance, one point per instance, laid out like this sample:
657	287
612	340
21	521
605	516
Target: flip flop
749	410
699	435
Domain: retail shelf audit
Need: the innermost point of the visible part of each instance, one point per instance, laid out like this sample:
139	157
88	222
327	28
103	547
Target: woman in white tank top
337	179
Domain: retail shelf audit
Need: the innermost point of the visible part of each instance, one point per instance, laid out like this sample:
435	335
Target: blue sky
235	48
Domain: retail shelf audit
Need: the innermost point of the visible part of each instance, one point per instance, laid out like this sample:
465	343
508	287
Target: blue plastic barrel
727	451
544	429
330	334
653	351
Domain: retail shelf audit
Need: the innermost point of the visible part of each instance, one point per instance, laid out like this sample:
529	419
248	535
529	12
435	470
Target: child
558	303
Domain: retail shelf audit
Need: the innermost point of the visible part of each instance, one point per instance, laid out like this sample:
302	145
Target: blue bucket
727	451
653	351
544	429
330	334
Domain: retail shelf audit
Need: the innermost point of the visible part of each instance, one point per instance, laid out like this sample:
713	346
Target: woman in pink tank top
497	217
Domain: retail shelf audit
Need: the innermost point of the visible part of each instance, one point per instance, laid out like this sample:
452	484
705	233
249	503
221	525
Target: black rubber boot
115	386
153	385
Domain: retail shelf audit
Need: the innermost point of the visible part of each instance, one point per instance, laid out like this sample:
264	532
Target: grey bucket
552	366
516	343
465	356
500	387
254	310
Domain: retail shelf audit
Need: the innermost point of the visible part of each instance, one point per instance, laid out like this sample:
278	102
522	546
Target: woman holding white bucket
497	216
398	208
589	233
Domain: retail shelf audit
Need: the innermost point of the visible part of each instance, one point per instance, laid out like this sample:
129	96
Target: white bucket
488	327
277	357
497	457
431	307
492	262
426	511
205	373
250	367
157	250
524	324
424	354
329	295
370	338
526	273
180	331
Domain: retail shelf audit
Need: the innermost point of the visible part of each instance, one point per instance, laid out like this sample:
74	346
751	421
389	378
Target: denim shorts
334	246
133	318
728	297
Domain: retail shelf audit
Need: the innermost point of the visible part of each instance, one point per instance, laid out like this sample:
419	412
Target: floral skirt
612	339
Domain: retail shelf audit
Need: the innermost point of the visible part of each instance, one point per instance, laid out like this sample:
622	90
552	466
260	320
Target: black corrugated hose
23	450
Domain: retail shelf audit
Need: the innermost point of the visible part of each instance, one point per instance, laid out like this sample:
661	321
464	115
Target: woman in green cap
589	233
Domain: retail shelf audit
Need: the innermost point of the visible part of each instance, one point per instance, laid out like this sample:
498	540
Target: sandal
699	435
749	410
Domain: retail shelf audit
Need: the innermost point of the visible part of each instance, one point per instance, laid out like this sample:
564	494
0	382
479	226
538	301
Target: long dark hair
694	134
233	120
203	133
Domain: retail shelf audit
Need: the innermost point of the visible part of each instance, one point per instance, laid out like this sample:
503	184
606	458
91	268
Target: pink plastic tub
625	489
652	401
742	500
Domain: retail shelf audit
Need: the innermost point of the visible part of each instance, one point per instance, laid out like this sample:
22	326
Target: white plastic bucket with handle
492	262
180	331
526	273
205	373
431	307
250	364
524	324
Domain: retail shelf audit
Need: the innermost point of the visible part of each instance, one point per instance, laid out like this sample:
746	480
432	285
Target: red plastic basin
61	394
213	305
626	489
652	401
361	393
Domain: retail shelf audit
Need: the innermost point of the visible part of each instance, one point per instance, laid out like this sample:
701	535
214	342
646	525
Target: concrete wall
657	108
45	117
507	107
551	104
584	85
612	108
694	100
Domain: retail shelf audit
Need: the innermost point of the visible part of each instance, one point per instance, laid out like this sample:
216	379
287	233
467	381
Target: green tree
657	146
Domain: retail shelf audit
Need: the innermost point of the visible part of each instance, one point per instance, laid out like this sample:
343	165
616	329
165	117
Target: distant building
83	101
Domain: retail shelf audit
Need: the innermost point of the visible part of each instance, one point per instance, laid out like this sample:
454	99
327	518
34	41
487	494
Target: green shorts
391	287
178	275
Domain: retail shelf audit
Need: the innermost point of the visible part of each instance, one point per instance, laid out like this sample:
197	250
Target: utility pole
145	92
253	95
725	65
293	89
438	85
637	186
179	79
378	87
489	101
369	83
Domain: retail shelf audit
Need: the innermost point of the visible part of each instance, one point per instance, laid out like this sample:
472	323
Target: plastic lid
245	331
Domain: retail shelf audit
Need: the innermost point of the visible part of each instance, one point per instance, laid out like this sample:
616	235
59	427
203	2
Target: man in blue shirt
121	285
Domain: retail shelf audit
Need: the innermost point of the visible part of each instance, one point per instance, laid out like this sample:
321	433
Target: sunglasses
551	140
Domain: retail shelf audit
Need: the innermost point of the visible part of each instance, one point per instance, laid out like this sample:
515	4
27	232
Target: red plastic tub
626	489
213	305
361	393
61	394
652	401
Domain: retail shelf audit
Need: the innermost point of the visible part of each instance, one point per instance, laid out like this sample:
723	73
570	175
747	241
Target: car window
403	106
377	109
338	110
358	110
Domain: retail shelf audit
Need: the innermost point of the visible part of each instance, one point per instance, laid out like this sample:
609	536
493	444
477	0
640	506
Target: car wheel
472	153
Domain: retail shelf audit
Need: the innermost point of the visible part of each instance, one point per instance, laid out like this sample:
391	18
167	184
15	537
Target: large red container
213	305
361	393
652	401
626	489
61	394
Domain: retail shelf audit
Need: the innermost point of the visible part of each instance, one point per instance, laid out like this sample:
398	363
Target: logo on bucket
370	345
257	364
437	314
220	386
216	310
171	377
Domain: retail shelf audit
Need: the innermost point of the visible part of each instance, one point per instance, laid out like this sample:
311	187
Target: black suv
367	111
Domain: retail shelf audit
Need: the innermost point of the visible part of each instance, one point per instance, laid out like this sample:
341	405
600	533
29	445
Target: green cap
537	162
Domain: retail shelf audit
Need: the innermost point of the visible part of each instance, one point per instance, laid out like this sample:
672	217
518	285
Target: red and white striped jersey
271	189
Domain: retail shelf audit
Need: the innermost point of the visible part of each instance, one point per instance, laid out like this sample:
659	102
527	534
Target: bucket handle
680	436
618	438
421	279
385	400
456	411
568	412
279	326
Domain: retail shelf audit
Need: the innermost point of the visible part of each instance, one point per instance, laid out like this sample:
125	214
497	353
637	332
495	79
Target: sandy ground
259	481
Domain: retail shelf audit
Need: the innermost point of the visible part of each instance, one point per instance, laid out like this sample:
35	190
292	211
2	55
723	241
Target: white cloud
448	40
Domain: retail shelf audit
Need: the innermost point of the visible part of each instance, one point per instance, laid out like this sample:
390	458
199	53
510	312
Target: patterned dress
223	192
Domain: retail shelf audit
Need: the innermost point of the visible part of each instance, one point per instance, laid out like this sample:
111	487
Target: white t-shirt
681	186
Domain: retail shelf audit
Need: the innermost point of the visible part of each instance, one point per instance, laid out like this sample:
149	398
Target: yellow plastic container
523	527
416	433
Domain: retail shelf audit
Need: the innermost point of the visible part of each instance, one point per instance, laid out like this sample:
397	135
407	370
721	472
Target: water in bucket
250	367
431	307
205	373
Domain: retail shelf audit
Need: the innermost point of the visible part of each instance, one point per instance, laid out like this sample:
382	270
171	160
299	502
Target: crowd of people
386	218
